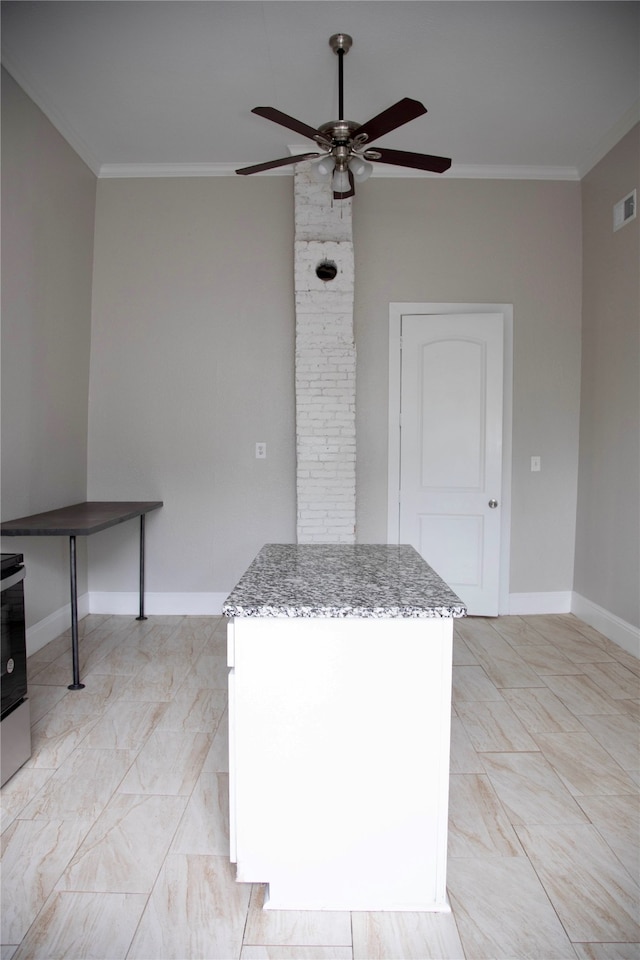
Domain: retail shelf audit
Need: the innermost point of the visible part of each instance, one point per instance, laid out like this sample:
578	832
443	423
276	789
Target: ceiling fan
346	154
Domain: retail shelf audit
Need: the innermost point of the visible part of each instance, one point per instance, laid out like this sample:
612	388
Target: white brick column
325	365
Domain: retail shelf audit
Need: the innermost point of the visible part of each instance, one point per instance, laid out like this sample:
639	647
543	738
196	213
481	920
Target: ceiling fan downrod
341	132
340	43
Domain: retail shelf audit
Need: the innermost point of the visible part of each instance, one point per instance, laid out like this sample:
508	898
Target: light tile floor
115	834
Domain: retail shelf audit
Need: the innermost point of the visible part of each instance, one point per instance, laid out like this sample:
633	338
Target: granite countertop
341	580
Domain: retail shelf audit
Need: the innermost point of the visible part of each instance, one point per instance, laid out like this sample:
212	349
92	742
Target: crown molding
159	170
459	171
620	129
478	171
465	171
65	130
227	169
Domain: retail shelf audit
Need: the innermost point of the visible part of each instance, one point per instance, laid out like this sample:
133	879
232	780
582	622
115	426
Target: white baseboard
210	605
528	604
155	604
624	634
158	604
41	633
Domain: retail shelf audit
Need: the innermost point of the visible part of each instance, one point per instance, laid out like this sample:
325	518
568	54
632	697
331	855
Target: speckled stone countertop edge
342	581
362	613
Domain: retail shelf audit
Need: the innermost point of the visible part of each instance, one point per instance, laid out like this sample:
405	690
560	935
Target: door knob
493	504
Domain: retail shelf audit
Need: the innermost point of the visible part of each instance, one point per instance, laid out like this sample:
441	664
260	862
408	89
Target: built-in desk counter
82	520
339	726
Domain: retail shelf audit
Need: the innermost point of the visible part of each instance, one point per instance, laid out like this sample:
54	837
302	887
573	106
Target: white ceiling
512	87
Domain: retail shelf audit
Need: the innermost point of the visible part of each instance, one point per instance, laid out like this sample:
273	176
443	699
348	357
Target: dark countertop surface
79	519
341	580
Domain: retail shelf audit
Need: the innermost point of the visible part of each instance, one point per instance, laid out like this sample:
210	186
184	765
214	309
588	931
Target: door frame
396	312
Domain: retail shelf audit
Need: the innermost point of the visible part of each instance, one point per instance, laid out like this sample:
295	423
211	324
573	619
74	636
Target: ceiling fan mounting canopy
344	142
341	42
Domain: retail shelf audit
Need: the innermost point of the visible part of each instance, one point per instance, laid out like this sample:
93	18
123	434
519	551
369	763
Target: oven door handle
13	579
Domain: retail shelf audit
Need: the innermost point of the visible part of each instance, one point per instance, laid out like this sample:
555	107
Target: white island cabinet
339	726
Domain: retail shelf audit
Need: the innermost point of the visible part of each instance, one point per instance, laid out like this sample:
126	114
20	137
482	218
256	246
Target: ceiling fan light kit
346	157
323	168
360	168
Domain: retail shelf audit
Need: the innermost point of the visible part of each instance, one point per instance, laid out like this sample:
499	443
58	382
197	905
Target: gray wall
489	241
48	204
191	363
192	359
608	530
191	349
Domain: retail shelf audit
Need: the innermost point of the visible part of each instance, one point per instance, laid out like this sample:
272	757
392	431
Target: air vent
624	210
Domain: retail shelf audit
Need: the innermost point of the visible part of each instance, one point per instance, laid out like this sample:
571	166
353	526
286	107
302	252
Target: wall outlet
535	465
261	450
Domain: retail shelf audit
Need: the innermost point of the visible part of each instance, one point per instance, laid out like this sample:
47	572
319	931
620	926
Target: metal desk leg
142	616
76	685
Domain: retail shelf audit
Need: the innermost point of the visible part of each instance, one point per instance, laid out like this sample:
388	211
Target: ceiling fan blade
401	112
351	192
270	113
258	167
421	161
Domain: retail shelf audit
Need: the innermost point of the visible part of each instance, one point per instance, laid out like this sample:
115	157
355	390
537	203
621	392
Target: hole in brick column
326	270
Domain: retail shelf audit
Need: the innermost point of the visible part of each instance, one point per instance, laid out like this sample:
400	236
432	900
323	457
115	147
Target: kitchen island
339	727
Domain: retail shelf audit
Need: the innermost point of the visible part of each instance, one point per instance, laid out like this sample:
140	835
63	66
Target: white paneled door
451	449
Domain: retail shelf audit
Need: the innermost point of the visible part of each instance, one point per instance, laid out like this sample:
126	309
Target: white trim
488	171
127	604
624	634
458	171
41	633
158	604
210	604
163	170
529	604
396	311
480	171
619	130
65	130
462	171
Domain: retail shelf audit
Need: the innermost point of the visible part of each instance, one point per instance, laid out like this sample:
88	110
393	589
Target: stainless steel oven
15	720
